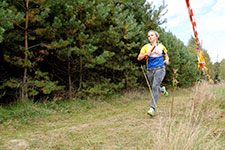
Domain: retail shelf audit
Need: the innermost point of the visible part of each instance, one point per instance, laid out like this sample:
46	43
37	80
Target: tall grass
24	112
120	122
199	128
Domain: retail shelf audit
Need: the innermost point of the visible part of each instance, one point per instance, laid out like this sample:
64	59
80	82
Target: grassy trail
121	123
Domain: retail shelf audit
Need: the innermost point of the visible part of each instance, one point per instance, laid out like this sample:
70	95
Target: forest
70	79
57	49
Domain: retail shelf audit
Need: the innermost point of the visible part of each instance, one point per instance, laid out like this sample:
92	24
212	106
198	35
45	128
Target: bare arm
141	56
166	61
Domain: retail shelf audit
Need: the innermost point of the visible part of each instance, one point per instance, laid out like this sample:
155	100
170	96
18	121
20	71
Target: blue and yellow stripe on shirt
156	58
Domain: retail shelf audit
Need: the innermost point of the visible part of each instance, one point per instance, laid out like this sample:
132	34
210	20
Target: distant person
153	52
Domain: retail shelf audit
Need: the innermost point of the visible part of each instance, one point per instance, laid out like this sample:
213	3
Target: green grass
118	123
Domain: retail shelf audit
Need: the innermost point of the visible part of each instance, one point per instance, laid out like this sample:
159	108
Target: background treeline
82	48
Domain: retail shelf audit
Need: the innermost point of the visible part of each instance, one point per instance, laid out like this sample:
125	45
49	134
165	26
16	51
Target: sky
210	19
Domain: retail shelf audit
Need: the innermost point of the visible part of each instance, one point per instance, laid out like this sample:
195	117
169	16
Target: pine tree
180	59
8	16
90	47
24	48
222	70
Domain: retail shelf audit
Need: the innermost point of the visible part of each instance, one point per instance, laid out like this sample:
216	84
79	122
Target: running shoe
164	91
151	112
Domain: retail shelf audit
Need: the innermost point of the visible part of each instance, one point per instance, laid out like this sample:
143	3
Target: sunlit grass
119	123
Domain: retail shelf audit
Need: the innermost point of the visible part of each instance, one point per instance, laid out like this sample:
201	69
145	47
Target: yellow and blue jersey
156	58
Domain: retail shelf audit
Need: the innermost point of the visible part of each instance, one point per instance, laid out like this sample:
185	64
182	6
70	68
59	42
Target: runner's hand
166	62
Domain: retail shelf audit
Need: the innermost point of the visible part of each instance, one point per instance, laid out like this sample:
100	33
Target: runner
153	53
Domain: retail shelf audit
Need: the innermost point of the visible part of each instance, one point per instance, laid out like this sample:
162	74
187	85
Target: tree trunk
24	87
81	69
69	79
81	72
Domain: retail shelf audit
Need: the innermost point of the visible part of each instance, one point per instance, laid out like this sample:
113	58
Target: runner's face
152	37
